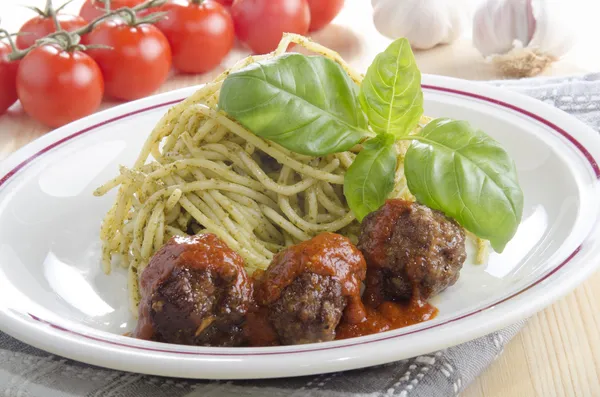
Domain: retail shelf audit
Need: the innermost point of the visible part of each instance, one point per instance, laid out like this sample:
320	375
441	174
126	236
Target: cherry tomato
260	24
56	86
8	78
200	35
323	11
137	63
227	3
93	9
41	26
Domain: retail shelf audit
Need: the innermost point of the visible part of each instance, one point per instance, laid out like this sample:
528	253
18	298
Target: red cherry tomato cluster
130	54
65	77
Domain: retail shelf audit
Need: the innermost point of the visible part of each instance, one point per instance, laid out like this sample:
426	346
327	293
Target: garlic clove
498	24
553	35
425	23
522	37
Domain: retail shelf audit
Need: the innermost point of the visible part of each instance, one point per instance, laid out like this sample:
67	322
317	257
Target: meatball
411	250
194	291
309	286
308	310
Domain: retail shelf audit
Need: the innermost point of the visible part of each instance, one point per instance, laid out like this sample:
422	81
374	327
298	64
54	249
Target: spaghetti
200	171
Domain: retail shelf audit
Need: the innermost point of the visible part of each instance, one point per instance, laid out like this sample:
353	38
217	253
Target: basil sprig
391	94
306	104
309	105
454	168
370	178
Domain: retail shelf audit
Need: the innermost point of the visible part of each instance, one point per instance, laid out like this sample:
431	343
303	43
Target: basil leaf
370	178
308	105
391	94
464	173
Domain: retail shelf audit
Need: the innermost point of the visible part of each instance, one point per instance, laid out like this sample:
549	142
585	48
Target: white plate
55	297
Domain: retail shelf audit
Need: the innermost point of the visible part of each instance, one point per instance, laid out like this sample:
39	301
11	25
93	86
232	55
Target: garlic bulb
425	23
522	37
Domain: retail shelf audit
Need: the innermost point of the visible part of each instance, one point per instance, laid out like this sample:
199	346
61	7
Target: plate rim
14	325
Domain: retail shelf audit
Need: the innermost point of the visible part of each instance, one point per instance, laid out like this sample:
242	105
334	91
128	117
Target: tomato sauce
258	329
328	254
388	316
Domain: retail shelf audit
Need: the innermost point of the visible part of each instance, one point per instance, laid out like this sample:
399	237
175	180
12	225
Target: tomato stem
140	7
128	16
11	42
151	19
96	47
45	13
36	10
69	39
52	13
48	9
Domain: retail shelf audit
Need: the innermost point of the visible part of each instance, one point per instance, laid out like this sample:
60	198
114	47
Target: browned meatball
194	291
309	286
410	249
308	310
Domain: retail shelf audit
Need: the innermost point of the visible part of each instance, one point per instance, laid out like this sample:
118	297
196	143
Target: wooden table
558	352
